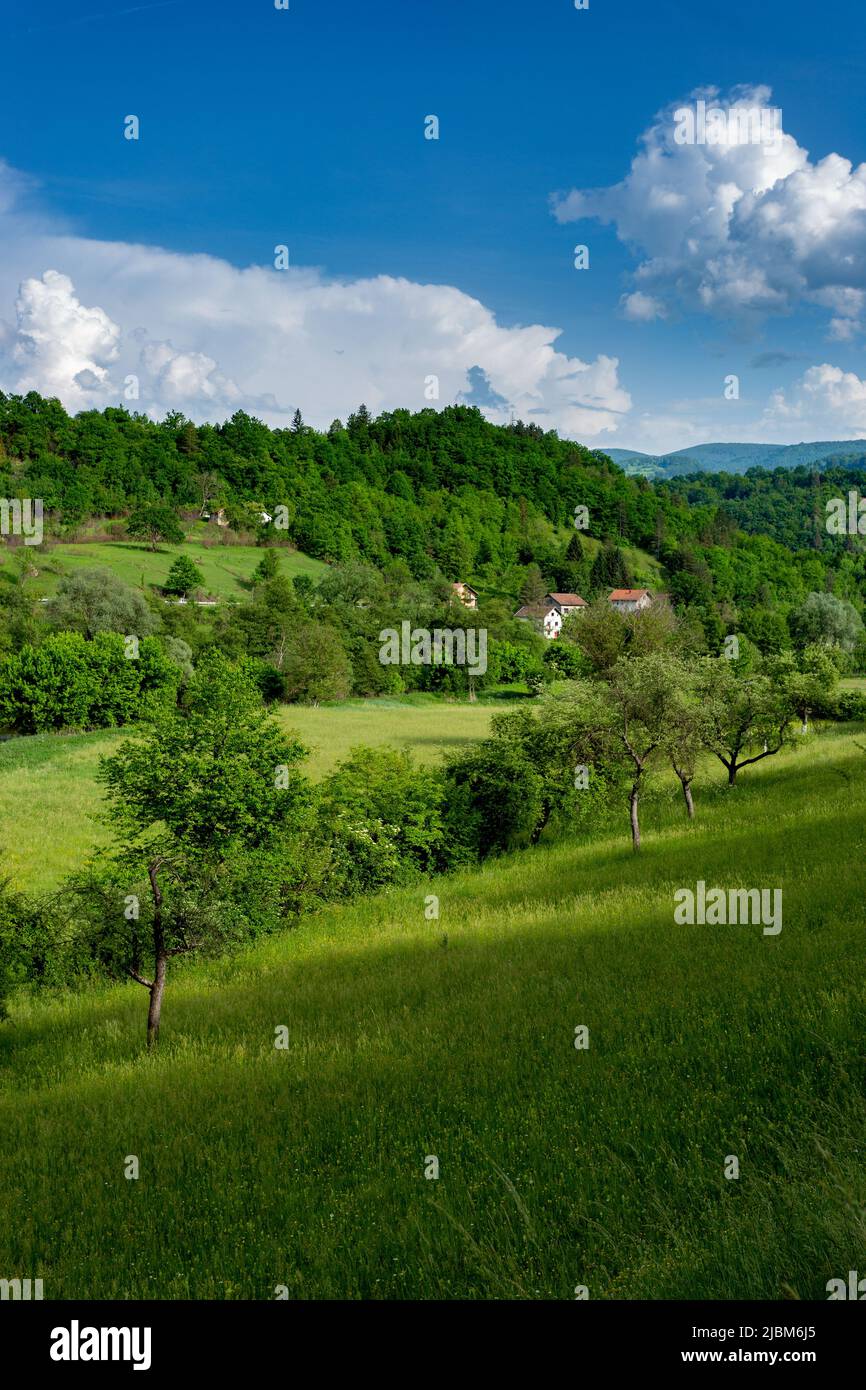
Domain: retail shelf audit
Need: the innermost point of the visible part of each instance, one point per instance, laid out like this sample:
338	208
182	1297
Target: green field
226	568
411	1038
48	792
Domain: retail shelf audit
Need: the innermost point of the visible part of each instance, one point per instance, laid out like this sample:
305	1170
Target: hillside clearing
227	569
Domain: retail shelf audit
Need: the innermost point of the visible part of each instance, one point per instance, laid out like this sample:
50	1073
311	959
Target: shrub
36	944
383	819
494	798
516	662
851	704
69	683
317	667
93	601
565	661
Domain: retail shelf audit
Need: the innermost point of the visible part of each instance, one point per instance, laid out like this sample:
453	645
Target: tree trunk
160	958
635	824
540	824
732	774
687	794
154	1012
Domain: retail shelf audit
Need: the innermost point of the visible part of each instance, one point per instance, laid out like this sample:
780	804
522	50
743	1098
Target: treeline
99	651
87	658
444	491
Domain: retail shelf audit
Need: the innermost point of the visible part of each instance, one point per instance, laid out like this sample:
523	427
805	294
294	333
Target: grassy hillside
411	1038
225	567
48	794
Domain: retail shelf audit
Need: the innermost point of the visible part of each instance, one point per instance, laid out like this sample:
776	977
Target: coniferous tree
183	576
609	569
532	590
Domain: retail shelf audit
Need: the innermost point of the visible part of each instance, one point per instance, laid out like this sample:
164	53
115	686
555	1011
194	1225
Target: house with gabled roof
565	603
629	600
544	616
466	594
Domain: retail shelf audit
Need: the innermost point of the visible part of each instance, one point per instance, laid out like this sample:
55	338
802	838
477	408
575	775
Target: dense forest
443	490
400	507
788	504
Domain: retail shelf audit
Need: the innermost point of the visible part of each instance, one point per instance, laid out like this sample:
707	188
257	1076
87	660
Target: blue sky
305	127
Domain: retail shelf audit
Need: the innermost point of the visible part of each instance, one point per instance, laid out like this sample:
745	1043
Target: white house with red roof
629	600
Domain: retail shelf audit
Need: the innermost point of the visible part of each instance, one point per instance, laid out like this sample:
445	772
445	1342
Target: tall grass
411	1038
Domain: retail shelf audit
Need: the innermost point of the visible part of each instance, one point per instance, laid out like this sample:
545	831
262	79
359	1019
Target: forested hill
740	458
789	504
400	483
445	491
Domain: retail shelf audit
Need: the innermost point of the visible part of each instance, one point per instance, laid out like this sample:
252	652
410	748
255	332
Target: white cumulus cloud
740	228
826	402
203	336
60	345
642	308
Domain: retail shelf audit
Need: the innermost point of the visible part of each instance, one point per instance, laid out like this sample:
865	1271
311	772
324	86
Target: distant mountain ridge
737	458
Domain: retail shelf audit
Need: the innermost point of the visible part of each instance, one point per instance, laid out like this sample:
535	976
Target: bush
35	944
267	679
516	662
566	661
494	798
383	819
94	601
69	683
316	667
851	704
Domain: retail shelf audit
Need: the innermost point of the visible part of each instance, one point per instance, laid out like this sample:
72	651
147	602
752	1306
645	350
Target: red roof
623	595
570	600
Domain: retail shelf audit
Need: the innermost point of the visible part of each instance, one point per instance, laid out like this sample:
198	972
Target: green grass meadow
412	1038
227	569
49	796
